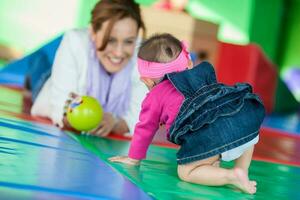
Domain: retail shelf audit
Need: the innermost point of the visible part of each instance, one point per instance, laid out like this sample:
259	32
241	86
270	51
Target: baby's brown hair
161	48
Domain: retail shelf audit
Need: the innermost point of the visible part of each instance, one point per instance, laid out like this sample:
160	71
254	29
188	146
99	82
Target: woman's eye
111	40
129	42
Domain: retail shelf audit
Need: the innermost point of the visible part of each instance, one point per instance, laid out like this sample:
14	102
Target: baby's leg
244	161
203	172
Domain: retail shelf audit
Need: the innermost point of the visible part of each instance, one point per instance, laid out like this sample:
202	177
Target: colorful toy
84	113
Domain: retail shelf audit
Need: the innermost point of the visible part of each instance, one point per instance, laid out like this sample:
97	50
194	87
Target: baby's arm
144	132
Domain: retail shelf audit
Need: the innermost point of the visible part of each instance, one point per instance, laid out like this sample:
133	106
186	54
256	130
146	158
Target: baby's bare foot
216	163
253	183
240	180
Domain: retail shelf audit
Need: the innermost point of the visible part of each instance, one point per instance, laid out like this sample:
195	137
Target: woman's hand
66	124
124	159
106	126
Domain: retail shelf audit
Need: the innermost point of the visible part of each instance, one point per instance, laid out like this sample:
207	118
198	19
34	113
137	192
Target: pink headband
157	70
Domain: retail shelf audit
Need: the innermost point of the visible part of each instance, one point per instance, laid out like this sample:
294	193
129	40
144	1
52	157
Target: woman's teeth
116	60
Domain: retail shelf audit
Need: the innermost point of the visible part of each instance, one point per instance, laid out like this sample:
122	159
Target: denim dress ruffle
214	117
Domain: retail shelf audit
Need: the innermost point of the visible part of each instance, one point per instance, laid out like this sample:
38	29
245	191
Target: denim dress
213	118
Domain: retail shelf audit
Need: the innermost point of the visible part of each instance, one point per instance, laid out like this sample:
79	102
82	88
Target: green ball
84	113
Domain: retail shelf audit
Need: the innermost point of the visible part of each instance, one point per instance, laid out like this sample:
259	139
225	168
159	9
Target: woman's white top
69	74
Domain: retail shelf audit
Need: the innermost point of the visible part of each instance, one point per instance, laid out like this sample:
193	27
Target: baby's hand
125	160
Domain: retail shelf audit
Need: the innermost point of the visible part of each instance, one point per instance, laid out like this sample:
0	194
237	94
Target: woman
98	61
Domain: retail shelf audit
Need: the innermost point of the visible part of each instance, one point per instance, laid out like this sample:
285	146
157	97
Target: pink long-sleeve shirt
160	106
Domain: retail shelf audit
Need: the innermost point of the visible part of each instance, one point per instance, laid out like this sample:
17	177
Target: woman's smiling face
121	44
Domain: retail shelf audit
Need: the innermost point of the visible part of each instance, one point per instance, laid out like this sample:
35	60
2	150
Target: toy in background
84	113
199	34
177	5
198	57
291	77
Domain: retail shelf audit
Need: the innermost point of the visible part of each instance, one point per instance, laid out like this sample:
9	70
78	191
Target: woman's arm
64	78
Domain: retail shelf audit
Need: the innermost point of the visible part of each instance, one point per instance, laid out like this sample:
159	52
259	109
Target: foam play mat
39	161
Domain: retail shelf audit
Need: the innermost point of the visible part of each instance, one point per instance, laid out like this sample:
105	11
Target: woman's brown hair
115	10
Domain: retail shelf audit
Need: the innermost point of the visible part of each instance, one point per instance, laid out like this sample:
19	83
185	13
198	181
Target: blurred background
247	40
